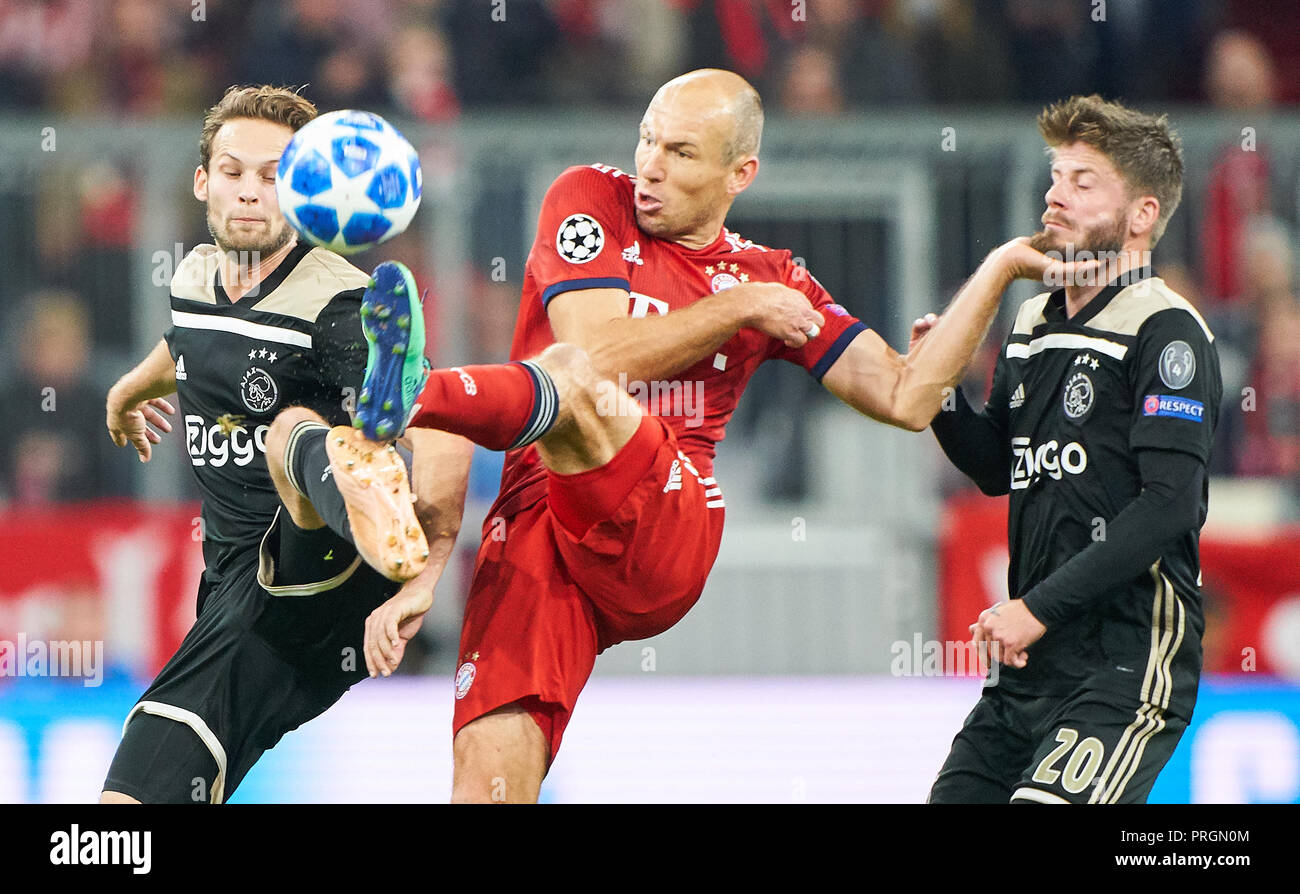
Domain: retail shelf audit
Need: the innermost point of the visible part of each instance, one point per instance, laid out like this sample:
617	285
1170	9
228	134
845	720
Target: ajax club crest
1079	395
258	390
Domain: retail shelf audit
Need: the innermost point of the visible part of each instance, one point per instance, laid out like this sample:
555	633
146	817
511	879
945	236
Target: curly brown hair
283	105
1142	147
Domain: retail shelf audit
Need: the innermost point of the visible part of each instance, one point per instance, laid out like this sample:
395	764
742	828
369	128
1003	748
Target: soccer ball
347	181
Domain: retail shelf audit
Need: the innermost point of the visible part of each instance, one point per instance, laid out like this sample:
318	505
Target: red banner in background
1251	587
122	572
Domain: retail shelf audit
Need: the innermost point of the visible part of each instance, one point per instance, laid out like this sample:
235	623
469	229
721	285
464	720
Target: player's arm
907	390
976	443
659	346
136	401
440	464
1168	507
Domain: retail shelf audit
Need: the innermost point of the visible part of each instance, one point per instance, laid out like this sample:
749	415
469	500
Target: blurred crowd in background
432	59
437	60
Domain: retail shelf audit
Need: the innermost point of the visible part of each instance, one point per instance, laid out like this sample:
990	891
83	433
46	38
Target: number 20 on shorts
1079	769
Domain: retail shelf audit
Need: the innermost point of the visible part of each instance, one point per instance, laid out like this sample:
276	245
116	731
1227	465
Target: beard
259	245
1103	239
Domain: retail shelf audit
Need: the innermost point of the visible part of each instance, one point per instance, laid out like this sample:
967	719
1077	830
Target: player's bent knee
108	797
573	373
592	405
277	436
277	444
565	359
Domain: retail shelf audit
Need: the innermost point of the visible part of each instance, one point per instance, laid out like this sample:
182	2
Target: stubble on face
1102	239
257	242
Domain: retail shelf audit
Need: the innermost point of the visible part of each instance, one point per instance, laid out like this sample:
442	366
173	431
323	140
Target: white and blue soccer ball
347	181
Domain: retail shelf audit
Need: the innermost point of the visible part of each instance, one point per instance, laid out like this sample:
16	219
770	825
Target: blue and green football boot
392	321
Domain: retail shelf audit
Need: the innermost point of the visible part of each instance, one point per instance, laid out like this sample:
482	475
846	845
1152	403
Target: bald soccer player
609	517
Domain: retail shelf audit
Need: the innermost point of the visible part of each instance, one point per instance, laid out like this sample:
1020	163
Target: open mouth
647	204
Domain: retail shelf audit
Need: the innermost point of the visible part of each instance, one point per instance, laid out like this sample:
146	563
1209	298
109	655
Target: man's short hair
1142	147
747	127
281	105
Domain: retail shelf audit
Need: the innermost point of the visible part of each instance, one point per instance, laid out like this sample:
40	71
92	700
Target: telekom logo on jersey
641	305
662	398
1051	458
217	444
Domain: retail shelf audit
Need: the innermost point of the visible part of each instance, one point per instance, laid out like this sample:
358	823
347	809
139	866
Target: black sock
307	465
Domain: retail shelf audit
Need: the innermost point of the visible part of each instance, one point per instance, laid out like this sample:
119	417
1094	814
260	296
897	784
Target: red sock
491	405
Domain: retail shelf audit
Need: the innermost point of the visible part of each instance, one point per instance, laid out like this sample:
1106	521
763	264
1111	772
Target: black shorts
1091	746
275	643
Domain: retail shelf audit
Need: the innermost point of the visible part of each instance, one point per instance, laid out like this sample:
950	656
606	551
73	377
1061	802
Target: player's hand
391	626
780	312
920	328
1020	260
131	425
987	650
1011	628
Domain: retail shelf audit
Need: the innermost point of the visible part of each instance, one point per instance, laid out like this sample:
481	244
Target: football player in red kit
609	517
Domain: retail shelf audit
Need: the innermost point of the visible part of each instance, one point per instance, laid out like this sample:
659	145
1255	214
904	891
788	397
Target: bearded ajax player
264	346
609	518
1099	424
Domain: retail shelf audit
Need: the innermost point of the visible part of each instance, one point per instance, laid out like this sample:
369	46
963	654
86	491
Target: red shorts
545	602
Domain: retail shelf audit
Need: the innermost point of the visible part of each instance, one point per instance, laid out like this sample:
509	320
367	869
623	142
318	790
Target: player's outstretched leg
371	505
579	418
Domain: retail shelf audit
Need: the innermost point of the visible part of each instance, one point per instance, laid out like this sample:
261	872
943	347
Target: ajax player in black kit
1099	425
264	346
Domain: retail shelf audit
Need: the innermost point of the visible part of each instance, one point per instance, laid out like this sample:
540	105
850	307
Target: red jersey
588	238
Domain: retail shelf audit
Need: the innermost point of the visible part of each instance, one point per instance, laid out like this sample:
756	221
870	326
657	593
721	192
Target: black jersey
1074	400
295	341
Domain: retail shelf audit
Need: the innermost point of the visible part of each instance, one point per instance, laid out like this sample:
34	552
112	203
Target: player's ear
742	176
201	184
1144	219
